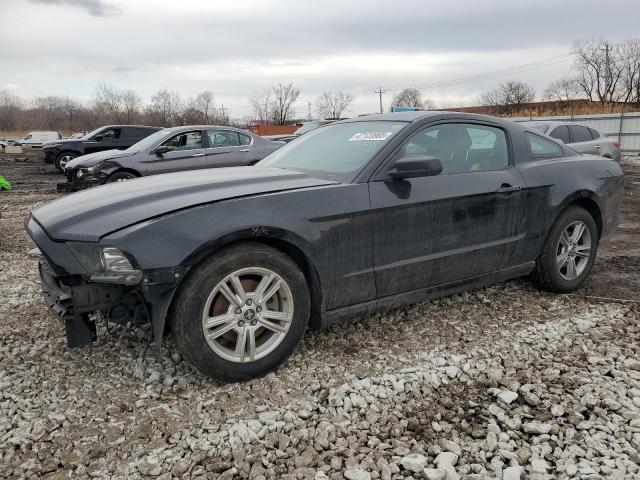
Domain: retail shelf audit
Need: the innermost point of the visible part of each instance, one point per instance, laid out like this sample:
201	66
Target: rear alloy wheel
240	313
121	177
62	160
568	252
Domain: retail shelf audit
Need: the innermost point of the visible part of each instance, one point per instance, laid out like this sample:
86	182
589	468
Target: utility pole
224	114
380	92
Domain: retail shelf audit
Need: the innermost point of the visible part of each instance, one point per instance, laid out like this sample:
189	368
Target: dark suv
104	138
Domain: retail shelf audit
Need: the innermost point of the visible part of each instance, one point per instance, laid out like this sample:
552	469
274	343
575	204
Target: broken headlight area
105	264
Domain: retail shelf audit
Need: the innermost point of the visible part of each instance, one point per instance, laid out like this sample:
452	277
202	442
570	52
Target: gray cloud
97	8
235	48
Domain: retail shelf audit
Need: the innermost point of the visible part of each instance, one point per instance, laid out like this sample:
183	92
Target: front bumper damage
79	302
79	180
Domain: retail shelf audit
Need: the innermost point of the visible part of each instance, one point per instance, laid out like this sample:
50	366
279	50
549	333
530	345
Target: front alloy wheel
247	314
62	161
241	311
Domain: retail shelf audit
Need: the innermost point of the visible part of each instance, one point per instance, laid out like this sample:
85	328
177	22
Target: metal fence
623	126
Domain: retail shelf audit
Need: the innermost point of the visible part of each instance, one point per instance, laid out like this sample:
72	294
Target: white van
36	139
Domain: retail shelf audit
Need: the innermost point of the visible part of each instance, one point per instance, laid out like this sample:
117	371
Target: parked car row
167	150
360	214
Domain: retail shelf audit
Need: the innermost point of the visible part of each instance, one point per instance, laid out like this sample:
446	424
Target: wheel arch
587	200
126	170
280	240
69	150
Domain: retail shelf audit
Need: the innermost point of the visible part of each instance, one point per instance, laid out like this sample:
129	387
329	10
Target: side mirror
162	149
98	138
412	167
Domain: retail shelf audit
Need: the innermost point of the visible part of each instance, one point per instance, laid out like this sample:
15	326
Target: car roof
202	127
133	126
414	116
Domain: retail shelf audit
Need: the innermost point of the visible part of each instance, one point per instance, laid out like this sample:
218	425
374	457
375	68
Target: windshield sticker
370	136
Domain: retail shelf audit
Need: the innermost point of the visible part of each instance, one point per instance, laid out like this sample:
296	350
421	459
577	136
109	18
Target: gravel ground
504	382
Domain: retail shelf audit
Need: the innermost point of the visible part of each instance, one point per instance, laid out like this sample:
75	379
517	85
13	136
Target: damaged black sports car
376	211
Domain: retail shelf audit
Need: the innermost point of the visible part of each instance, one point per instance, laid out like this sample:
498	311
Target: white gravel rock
414	462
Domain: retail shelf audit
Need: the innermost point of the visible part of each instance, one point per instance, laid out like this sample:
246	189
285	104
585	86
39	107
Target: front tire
568	252
62	159
240	313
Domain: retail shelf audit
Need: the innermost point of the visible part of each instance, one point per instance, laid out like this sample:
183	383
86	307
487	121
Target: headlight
80	173
94	169
105	264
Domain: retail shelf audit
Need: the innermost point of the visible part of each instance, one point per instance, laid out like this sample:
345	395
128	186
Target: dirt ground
381	397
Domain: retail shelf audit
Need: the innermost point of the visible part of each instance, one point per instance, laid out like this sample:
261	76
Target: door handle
597	146
506	188
245	150
198	155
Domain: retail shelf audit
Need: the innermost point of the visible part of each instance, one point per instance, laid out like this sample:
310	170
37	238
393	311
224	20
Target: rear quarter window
594	133
542	148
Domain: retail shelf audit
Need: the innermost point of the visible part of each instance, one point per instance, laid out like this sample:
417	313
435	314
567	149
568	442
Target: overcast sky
236	47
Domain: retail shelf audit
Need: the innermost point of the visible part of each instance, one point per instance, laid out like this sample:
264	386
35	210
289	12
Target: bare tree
284	96
630	54
108	103
600	66
562	90
10	108
131	105
166	108
202	108
49	111
512	93
333	105
70	107
262	105
412	98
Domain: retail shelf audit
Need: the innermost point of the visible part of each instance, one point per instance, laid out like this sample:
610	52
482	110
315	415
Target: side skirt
334	316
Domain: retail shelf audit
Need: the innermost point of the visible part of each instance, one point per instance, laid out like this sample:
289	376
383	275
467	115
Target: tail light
26	219
617	144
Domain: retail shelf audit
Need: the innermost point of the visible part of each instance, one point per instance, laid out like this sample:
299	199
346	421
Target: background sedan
581	138
169	150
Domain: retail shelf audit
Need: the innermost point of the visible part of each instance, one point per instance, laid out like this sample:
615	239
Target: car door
224	149
185	152
107	139
465	222
582	141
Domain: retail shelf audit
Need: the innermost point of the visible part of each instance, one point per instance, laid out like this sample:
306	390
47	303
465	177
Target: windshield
149	141
92	133
335	152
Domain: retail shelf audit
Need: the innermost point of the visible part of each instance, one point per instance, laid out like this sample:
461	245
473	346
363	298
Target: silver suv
581	138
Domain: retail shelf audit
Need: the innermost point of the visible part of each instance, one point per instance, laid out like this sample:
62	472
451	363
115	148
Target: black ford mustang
370	212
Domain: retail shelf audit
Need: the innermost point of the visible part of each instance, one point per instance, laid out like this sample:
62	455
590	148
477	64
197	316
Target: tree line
603	71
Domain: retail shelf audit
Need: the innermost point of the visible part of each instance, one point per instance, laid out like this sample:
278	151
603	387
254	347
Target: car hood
91	214
86	161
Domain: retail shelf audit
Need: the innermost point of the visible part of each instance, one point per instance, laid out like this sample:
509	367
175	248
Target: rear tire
121	177
62	159
568	252
222	320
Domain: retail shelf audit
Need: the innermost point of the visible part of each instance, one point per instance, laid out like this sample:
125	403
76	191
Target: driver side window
185	141
460	147
111	134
